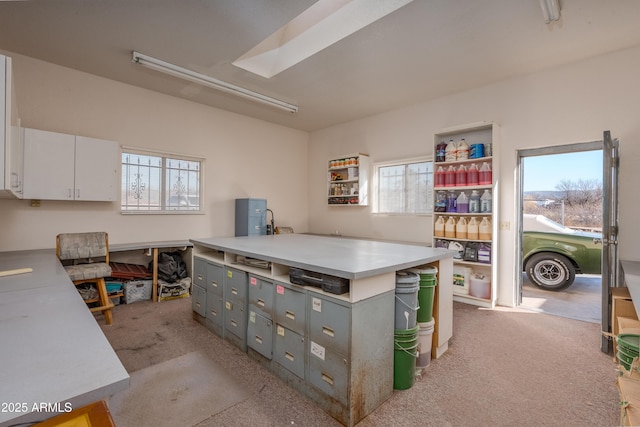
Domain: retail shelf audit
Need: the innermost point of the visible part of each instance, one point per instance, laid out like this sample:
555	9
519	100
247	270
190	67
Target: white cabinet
348	180
58	166
475	267
10	143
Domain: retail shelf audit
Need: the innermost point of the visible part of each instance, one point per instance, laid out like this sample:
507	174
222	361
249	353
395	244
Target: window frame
164	210
403	162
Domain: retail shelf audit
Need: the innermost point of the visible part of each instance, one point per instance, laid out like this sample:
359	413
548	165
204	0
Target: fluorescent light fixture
318	27
550	10
201	79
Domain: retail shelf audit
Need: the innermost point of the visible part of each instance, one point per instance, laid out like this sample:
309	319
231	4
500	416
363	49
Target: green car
553	254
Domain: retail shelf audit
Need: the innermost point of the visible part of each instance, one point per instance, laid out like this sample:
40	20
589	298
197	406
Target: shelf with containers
465	208
348	180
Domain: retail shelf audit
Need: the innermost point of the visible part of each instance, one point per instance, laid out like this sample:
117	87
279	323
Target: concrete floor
581	301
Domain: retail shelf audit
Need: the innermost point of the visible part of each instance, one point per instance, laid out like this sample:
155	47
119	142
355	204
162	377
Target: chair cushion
82	245
88	271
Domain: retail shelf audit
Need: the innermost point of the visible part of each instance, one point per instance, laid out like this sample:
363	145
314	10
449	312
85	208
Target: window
404	187
155	182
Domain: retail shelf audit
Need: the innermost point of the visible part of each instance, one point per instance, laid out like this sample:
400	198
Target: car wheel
550	271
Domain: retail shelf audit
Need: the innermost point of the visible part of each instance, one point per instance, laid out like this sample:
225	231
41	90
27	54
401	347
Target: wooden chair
85	257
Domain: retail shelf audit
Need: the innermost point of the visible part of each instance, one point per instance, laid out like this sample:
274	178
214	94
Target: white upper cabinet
10	144
66	167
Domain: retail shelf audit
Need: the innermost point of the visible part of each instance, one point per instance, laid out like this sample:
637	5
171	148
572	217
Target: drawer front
235	285
215	278
291	308
199	300
215	311
235	318
257	225
257	207
289	350
329	371
199	271
329	323
261	293
260	333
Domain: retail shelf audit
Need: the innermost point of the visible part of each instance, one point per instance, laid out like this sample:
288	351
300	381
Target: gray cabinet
215	298
208	294
251	217
329	339
235	307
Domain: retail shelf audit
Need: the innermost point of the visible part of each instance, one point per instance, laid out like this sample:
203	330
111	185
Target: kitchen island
54	355
337	348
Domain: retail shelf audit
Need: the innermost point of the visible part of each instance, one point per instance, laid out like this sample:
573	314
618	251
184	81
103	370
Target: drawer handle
200	277
234	323
326	378
328	331
259	339
214	284
289	356
198	304
260	302
291	315
214	313
234	291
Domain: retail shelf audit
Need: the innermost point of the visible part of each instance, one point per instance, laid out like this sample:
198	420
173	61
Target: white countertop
337	256
52	349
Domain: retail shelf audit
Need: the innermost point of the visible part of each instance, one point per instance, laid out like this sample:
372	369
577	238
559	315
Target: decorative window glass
404	187
159	183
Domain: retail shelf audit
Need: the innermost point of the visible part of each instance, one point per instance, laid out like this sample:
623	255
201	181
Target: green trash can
426	293
405	355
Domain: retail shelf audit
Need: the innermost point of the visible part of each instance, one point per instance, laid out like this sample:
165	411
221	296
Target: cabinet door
199	300
290	308
329	324
199	272
260	332
261	293
96	177
288	350
48	165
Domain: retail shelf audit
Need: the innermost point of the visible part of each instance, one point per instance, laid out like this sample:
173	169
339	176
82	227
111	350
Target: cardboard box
621	306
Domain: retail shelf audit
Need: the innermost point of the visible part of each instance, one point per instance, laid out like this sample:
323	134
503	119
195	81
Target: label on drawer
253	281
280	289
252	316
317	304
227	304
317	350
280	330
229	274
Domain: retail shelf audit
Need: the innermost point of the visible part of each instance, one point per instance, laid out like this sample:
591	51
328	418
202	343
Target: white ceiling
424	50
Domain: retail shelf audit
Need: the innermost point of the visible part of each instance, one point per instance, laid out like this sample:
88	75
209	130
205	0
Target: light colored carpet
178	392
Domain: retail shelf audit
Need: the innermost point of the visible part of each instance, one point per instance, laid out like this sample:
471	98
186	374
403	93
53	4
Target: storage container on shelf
461	176
473	232
462	203
462	150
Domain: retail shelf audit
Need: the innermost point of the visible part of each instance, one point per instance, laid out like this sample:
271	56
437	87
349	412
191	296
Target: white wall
573	103
244	158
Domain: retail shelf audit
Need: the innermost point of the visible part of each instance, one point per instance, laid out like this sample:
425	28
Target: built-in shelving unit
477	254
347	180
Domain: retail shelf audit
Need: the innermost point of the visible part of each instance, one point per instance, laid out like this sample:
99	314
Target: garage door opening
561	198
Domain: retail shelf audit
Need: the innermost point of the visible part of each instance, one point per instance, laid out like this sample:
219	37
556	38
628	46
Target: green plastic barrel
405	354
426	293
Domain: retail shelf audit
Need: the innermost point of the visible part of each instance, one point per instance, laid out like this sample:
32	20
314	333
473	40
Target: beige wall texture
570	104
244	158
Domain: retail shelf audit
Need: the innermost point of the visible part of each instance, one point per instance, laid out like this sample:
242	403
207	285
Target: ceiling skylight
318	27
